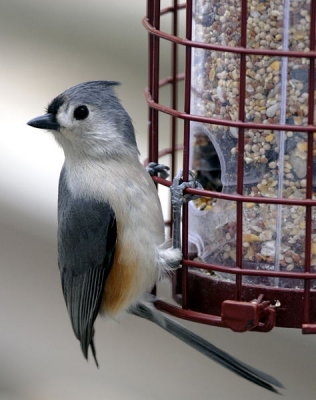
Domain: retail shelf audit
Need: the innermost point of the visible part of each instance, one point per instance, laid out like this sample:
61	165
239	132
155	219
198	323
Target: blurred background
45	48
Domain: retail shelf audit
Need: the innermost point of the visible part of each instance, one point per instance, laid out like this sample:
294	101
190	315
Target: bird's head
88	120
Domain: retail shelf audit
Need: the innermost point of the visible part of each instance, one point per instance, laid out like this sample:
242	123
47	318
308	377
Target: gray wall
46	47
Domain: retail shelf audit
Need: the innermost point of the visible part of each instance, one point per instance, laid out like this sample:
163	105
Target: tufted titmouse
111	245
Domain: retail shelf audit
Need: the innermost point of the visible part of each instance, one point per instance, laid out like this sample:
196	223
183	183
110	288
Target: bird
111	240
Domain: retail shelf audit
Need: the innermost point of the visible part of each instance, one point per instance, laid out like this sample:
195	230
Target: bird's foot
178	187
155	169
178	198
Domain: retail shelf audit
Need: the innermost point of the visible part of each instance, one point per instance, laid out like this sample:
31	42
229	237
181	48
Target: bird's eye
81	112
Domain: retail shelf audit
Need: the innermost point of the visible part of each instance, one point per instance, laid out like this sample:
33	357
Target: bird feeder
247	131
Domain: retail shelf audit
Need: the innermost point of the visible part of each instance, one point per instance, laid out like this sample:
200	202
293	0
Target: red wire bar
186	153
216	47
204	298
240	147
249	272
217	121
238	197
309	171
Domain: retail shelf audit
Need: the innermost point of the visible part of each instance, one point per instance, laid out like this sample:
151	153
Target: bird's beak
46	121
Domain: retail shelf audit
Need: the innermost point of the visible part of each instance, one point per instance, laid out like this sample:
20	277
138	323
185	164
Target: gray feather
148	312
86	244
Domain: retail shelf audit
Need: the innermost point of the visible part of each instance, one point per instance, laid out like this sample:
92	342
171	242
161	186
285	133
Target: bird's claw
155	169
178	187
178	198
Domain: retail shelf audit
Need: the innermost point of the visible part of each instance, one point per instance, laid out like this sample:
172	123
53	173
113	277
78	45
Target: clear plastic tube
282	136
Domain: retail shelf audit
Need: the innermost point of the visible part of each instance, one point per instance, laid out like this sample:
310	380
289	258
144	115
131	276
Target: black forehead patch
53	107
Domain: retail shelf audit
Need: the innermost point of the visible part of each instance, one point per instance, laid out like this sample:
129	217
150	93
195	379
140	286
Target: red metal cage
238	305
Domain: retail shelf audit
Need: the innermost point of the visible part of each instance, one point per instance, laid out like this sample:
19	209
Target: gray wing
86	245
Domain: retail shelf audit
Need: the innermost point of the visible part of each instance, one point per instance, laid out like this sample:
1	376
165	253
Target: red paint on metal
186	151
237	197
308	329
217	121
216	47
241	147
309	167
242	316
174	88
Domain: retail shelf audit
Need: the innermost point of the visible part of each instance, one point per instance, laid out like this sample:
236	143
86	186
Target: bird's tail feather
148	312
94	352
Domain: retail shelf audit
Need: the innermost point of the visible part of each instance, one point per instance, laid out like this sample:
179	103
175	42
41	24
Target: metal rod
171	8
309	167
247	271
220	48
223	122
186	152
189	315
174	100
151	111
244	199
150	15
241	147
155	80
309	328
174	87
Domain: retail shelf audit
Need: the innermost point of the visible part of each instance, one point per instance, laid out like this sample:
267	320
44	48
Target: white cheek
65	121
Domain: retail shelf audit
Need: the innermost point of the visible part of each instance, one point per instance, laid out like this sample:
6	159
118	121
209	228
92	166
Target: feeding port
249	135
